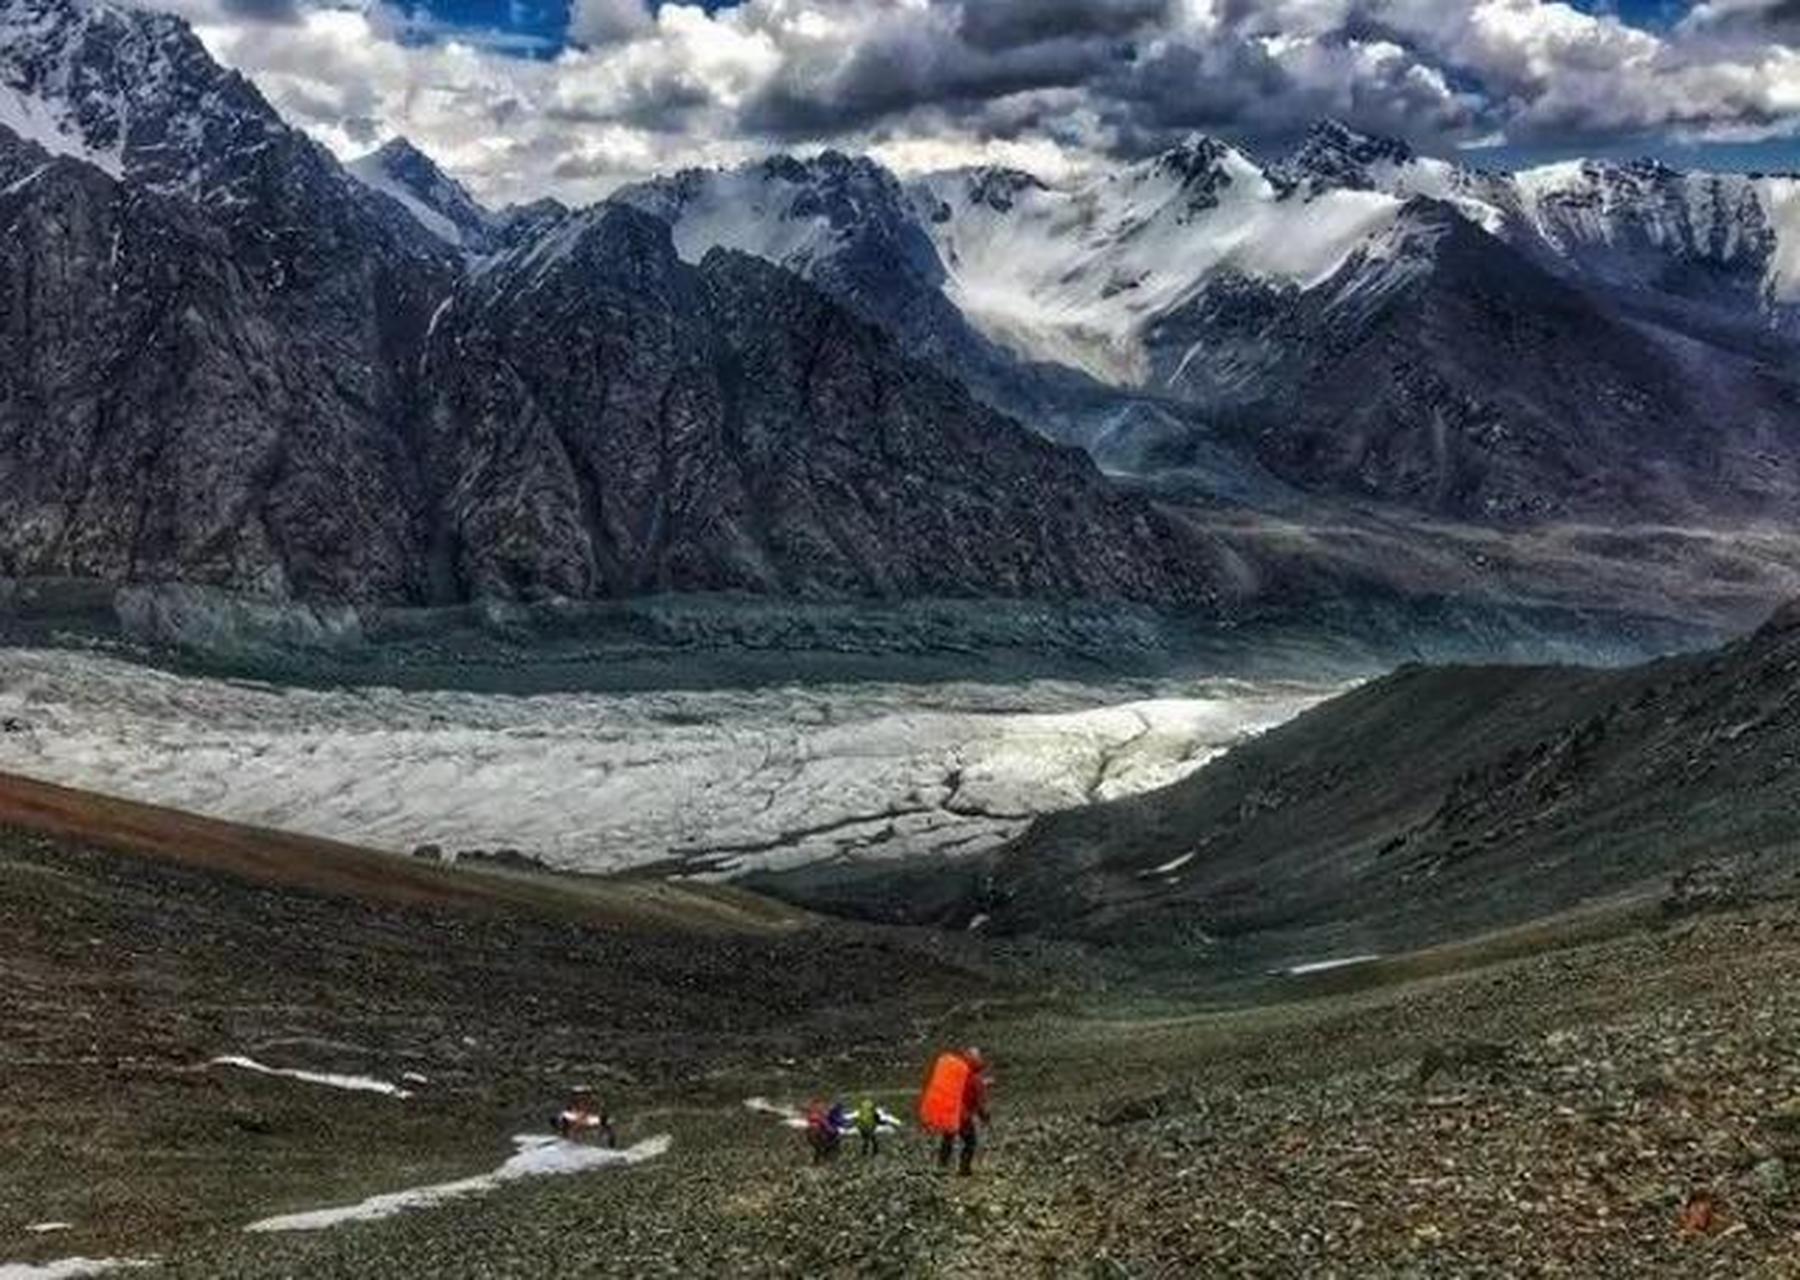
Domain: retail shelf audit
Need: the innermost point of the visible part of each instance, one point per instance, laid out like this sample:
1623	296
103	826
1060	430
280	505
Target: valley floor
1503	1109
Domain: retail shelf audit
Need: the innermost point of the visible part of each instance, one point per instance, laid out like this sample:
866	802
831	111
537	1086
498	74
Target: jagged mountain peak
999	187
399	151
131	91
438	202
1198	158
808	214
1331	136
1334	156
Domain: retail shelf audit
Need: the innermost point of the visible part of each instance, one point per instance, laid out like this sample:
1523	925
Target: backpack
941	1105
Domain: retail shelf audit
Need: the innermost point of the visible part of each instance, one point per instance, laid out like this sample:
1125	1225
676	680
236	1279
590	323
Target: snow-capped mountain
439	203
1074	274
132	93
1078	274
135	94
1081	274
1182	311
225	359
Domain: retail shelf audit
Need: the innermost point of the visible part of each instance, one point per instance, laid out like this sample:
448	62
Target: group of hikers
953	1106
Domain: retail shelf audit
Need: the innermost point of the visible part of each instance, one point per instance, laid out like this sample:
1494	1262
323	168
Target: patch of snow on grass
789	1116
1325	966
356	1084
538	1156
69	1268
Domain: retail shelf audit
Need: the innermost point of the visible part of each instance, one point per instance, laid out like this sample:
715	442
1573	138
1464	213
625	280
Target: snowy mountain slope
1073	274
436	201
135	93
406	397
1076	274
1161	315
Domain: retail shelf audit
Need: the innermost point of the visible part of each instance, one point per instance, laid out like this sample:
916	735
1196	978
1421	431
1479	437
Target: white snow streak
1170	867
790	1116
1074	274
1325	966
355	1084
538	1156
69	1268
369	172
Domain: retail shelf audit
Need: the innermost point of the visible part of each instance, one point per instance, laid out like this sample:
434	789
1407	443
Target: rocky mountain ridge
227	360
1160	314
233	361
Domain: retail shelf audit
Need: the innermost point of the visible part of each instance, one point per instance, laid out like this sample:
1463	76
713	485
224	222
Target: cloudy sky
570	97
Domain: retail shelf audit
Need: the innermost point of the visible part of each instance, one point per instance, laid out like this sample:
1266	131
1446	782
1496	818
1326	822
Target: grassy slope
1437	803
1134	1138
121	975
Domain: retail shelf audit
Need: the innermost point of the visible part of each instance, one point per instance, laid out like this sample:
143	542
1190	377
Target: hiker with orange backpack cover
954	1104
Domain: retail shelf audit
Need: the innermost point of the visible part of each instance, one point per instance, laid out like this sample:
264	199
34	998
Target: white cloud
605	21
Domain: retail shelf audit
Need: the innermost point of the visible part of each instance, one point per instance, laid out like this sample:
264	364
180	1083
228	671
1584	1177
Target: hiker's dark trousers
948	1144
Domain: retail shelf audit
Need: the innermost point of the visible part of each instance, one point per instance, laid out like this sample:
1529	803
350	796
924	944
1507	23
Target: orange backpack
941	1105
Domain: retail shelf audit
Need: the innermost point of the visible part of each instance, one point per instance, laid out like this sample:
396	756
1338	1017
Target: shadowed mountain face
166	413
227	360
1439	802
1446	370
601	418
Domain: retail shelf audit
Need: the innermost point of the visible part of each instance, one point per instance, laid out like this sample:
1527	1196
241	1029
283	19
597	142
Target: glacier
719	782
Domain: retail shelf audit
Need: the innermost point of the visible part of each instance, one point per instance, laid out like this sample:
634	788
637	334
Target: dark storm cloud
1005	24
1006	68
908	67
278	11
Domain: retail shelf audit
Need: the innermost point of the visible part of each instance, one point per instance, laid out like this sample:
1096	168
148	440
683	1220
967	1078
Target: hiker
868	1126
954	1104
822	1132
583	1116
